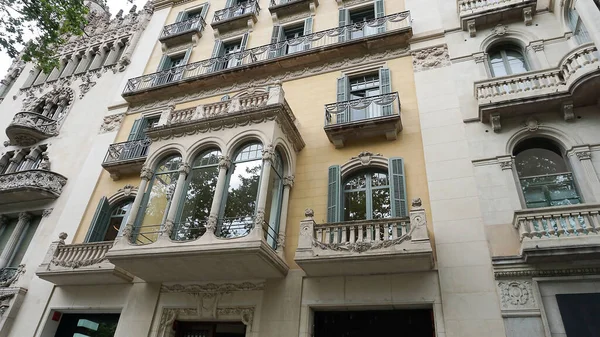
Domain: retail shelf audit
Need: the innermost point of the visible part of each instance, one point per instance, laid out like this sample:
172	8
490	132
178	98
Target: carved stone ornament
280	241
126	190
184	168
34	180
546	272
289	181
567	110
417	203
430	58
360	246
495	120
500	30
532	124
128	232
9	276
471	28
212	289
528	16
268	153
71	256
211	224
47	212
366	157
516	294
146	173
309	213
111	123
584	155
86	85
506	165
169	315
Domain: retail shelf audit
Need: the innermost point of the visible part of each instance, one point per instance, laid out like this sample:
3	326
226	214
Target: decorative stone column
418	222
4	161
590	16
112	53
288	183
592	184
33	155
259	221
213	218
11	244
15	161
507	166
184	170
146	174
480	60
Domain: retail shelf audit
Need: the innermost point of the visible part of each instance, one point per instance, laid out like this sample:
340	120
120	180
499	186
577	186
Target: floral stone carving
33	179
516	295
111	123
431	58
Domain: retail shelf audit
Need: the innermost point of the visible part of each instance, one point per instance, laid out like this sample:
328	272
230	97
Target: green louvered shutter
135	129
165	63
181	16
344	19
229	3
398	194
379	13
217	51
275	51
385	87
308	26
100	222
244	42
343	87
334	194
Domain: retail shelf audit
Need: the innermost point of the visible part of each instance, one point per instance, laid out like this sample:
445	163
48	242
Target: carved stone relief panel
430	58
517	295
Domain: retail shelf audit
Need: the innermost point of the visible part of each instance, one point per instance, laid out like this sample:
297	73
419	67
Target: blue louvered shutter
308	26
385	87
398	194
334	194
100	222
379	13
343	88
344	20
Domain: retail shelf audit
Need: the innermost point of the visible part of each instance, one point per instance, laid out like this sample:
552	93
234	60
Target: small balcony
80	264
356	40
30	185
486	13
367	247
284	8
231	249
575	80
363	118
126	157
560	233
182	32
236	17
28	128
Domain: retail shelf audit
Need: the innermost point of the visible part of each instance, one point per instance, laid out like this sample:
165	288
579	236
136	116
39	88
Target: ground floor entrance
380	323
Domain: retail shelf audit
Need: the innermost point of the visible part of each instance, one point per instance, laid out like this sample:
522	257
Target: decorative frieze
34	179
430	58
212	288
111	123
502	274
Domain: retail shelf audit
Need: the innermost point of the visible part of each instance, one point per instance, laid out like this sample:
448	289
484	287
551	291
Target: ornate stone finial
417	203
146	173
309	213
289	181
62	237
224	162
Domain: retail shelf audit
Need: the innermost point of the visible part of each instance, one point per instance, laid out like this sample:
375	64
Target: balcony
575	80
80	264
126	157
30	185
258	106
236	17
365	247
560	233
231	249
28	128
182	32
486	13
283	8
363	118
336	44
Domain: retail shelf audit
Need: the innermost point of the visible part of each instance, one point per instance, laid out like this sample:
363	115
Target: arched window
197	198
367	196
544	174
109	220
507	60
239	202
157	200
579	31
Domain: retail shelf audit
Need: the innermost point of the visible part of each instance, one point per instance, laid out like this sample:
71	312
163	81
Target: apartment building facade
315	168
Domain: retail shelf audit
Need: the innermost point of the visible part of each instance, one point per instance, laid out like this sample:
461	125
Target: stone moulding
223	288
33	179
502	274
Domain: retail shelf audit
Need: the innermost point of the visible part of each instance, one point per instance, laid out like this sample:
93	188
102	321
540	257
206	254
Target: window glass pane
272	211
6	231
537	161
241	197
379	179
170	164
118	218
516	62
552	190
208	158
250	152
381	203
88	325
355	205
197	202
356	182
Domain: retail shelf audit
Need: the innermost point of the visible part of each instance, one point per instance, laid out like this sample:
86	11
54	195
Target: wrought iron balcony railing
195	23
275	3
126	151
236	11
473	6
362	109
308	43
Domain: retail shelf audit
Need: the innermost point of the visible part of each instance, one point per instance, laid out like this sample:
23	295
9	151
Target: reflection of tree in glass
241	199
537	161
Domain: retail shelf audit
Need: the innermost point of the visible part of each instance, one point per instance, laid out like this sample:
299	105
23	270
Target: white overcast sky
114	5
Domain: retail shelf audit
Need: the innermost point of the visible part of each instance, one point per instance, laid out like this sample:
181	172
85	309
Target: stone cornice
500	274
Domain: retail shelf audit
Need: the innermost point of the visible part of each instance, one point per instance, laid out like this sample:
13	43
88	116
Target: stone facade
472	248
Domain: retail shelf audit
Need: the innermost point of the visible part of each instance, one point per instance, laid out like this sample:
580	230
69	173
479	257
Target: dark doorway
580	314
380	323
207	329
91	325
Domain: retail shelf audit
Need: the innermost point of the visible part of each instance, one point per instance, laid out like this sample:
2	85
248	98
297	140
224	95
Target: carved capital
224	162
506	165
168	229
146	173
584	155
24	217
184	168
268	153
289	181
211	224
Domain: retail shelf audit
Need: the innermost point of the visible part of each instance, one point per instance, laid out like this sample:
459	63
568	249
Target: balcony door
171	68
358	96
226	54
362	20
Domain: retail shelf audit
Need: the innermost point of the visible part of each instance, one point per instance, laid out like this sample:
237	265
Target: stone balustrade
82	263
473	6
365	247
554	232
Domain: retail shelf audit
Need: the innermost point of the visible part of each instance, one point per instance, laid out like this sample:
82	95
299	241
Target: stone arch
127	192
161	153
564	140
247	136
509	35
203	145
363	160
